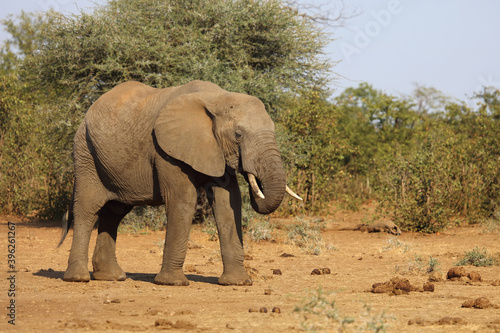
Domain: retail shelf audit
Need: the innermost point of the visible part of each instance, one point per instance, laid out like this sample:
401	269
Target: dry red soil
44	303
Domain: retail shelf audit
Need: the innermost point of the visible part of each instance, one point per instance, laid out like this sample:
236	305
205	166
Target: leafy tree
313	149
262	48
428	99
25	38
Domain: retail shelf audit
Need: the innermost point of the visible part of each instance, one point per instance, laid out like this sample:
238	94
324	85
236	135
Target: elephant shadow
148	277
50	273
145	277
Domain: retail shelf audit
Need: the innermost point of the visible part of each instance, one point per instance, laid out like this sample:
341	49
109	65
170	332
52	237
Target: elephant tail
67	221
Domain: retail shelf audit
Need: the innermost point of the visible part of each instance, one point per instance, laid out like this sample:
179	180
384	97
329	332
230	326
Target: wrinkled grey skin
144	146
381	226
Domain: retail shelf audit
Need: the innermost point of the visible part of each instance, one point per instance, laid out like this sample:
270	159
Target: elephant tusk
292	193
255	187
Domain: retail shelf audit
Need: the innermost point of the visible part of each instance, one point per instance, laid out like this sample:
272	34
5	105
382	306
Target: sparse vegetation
318	312
144	217
260	229
477	257
210	229
418	266
307	237
393	243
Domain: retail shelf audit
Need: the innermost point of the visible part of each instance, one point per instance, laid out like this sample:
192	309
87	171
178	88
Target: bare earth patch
44	303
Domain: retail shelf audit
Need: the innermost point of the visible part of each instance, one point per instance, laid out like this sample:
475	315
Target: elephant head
225	130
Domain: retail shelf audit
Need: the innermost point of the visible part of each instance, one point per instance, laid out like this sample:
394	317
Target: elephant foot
113	274
76	273
176	278
235	279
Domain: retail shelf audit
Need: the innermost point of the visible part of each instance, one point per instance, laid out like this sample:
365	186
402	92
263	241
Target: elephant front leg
226	204
180	211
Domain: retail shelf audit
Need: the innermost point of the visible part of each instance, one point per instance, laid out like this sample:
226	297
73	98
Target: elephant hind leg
84	221
104	259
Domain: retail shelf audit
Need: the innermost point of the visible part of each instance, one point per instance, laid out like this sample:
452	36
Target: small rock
418	321
450	321
429	286
253	310
267	291
403	284
435	277
456	272
153	312
277	272
474	277
495	283
482	303
230	327
163	323
276	310
287	255
116	300
193	245
468	303
263	310
398	292
321	271
183	312
184	324
248	257
381	288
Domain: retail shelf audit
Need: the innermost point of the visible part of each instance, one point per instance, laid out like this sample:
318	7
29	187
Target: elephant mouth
256	187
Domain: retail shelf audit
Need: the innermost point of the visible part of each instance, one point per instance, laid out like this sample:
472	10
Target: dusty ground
45	303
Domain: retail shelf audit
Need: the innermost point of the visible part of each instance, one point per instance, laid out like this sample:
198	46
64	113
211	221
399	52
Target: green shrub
144	218
313	151
477	257
318	312
260	229
308	237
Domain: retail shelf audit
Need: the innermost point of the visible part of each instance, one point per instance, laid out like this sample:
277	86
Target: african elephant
140	145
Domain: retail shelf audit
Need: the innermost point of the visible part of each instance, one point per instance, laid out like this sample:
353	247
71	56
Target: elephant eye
238	134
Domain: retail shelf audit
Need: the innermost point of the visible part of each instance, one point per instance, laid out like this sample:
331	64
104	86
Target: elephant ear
184	130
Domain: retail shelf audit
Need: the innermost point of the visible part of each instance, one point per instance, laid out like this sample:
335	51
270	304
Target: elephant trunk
270	175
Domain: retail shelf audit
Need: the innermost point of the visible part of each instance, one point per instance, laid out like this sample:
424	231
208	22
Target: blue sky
453	45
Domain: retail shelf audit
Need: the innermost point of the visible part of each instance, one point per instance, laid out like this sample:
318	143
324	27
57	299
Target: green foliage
260	229
25	38
210	228
452	174
144	217
318	312
263	48
418	266
477	257
312	149
308	237
34	179
393	243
